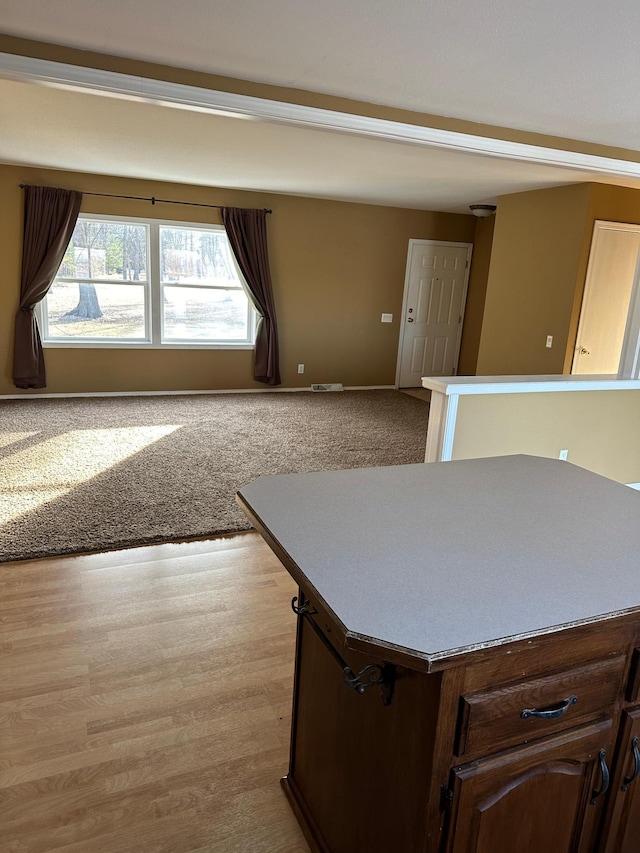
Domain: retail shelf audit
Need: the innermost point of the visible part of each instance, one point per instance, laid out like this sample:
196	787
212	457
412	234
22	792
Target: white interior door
607	294
435	292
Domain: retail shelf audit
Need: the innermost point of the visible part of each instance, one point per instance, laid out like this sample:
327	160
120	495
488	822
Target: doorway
608	291
435	292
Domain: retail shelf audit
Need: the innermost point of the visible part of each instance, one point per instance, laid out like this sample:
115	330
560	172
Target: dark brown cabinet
462	687
353	757
623	831
512	753
539	798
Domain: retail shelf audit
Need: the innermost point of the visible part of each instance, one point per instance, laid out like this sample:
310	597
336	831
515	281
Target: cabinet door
623	833
537	798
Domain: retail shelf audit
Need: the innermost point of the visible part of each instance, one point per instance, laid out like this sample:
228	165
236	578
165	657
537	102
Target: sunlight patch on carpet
50	469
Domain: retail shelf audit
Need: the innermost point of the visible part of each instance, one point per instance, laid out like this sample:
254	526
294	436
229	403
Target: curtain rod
153	199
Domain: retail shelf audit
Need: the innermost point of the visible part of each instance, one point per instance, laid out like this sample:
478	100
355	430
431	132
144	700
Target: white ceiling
567	69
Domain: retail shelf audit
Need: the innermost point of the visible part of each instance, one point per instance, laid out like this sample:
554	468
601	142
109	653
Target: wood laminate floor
145	701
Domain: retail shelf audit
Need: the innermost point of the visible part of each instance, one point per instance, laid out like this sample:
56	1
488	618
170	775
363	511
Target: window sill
181	345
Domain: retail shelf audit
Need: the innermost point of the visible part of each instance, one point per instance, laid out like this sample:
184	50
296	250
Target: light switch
549	341
387	318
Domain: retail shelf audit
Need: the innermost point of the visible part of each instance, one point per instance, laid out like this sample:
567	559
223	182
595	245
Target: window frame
153	288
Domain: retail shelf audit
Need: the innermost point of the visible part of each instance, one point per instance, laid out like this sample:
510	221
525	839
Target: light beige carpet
89	474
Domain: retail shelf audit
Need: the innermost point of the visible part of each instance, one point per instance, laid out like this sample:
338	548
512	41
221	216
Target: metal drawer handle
636	765
552	713
604	770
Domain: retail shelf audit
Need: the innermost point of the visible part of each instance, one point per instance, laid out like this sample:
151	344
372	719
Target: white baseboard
183	393
633	485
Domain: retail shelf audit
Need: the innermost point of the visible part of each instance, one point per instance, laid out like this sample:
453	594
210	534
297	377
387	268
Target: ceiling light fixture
482	210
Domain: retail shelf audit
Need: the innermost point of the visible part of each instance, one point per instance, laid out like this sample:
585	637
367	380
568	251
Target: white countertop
460	385
445	558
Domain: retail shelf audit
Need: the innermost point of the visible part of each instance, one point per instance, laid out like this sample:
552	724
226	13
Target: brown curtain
50	216
247	232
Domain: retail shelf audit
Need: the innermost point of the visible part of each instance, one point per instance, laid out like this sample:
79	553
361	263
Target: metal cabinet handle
551	713
304	608
604	770
374	673
636	764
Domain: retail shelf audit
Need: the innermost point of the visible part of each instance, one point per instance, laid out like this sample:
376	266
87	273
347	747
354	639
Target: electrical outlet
563	454
549	341
301	368
387	318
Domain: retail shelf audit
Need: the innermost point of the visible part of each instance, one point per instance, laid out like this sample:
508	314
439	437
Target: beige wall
537	249
613	204
476	295
537	274
599	429
336	267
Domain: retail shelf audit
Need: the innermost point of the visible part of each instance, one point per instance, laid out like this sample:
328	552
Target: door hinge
446	798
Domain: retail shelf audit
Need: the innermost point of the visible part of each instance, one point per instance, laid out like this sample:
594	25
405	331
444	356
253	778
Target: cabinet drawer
526	710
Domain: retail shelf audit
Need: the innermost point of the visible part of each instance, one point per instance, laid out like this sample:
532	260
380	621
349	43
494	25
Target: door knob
410	320
584	351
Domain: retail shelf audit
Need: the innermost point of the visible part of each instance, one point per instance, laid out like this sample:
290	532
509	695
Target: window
147	283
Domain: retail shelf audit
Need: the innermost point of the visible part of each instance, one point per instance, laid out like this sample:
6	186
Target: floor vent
328	386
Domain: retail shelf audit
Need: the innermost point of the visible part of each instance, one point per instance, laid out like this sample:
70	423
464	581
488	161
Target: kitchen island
467	659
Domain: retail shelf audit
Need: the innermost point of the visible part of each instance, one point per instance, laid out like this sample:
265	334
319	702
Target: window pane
111	250
196	257
193	313
95	311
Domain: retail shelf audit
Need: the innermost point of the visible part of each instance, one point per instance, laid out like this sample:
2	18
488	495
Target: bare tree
85	237
215	255
134	252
